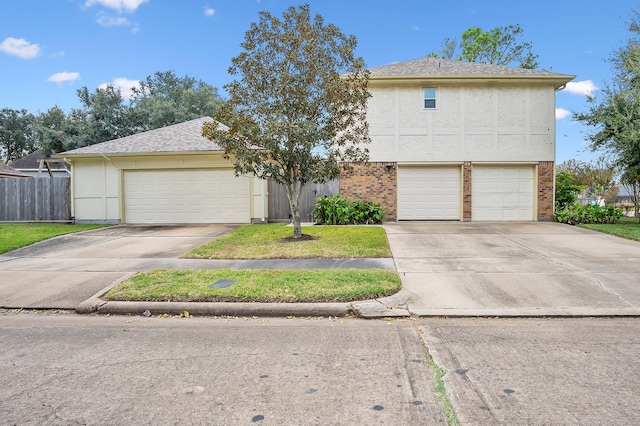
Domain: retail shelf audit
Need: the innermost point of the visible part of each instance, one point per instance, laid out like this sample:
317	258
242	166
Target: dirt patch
294	239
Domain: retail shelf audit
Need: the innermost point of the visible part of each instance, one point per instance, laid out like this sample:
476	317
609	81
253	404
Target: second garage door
502	193
185	196
428	193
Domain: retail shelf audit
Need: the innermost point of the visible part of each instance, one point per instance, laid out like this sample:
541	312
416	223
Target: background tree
566	188
498	46
298	108
596	177
17	137
164	99
614	115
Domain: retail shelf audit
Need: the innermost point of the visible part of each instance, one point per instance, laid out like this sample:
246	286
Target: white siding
474	123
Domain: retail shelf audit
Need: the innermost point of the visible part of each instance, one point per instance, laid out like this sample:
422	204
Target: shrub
592	213
338	210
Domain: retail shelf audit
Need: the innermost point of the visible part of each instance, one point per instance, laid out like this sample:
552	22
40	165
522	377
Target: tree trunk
293	193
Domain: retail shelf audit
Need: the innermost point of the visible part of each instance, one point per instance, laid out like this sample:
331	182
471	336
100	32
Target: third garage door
502	193
428	193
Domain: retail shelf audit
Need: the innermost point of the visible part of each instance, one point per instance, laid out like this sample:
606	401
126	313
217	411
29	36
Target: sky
51	48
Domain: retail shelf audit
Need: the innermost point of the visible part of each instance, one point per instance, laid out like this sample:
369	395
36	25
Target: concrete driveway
519	269
62	272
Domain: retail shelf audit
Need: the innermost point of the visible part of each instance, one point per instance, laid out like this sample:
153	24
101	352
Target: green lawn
16	235
318	285
264	242
628	228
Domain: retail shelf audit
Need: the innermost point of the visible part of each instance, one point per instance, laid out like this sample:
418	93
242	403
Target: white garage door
185	196
502	193
429	193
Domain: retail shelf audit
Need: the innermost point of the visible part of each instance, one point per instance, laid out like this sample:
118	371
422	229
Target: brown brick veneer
466	191
374	182
546	194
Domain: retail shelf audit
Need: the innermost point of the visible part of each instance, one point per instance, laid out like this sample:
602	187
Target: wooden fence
43	199
279	209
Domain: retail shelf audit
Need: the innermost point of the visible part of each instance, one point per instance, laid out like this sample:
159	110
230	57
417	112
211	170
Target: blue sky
51	48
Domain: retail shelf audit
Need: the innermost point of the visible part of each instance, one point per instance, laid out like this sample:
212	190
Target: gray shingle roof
8	171
178	138
434	67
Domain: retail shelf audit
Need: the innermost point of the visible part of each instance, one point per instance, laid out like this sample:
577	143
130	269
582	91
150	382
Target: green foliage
338	210
566	189
498	46
17	137
164	99
614	115
592	213
298	107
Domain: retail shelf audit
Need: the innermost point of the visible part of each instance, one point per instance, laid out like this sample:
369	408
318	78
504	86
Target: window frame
435	98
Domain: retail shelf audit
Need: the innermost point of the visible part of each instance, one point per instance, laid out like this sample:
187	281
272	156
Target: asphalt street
96	369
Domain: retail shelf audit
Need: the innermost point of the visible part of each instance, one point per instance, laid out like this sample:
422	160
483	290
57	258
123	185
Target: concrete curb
225	309
95	304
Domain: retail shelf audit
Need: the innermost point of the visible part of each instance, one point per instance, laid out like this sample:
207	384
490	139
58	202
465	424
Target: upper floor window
429	94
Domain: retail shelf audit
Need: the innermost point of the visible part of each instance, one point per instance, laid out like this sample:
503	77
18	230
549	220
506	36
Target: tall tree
17	137
614	115
298	108
163	99
498	46
105	115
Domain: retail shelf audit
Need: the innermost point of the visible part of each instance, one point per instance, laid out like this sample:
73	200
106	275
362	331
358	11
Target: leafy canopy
297	108
498	46
614	115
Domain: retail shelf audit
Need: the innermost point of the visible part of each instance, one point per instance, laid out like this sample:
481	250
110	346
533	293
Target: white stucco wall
97	183
499	123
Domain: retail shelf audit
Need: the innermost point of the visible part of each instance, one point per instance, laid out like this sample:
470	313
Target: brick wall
466	191
372	181
546	201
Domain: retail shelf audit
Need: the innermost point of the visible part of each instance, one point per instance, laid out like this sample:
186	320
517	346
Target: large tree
614	114
297	109
17	137
163	99
498	46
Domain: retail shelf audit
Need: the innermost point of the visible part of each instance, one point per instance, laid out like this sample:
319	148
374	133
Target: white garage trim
429	193
185	196
504	193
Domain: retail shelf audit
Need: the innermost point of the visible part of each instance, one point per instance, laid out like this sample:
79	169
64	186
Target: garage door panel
502	193
429	193
185	196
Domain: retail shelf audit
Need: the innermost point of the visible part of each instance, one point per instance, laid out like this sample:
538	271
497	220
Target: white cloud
65	76
124	84
112	21
208	11
562	113
128	6
585	87
20	47
415	28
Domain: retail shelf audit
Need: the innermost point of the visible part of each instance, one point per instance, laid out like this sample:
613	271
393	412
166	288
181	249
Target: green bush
338	210
592	213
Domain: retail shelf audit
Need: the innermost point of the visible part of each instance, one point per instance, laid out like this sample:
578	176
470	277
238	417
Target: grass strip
441	393
16	235
265	242
627	228
261	285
